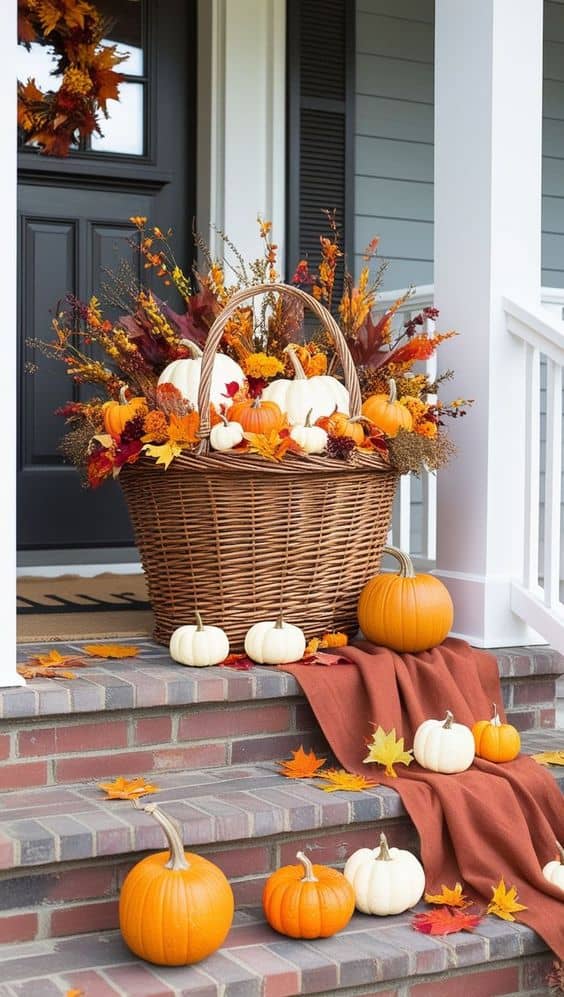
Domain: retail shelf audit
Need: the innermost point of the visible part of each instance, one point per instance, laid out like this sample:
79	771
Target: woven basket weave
241	538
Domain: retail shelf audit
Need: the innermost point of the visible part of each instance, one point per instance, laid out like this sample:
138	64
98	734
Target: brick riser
59	750
71	898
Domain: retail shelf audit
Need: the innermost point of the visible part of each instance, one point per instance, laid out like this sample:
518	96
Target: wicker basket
241	538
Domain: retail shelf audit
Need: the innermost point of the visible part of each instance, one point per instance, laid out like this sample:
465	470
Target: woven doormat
72	607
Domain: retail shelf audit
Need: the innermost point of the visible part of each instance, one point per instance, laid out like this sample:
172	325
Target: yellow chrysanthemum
260	365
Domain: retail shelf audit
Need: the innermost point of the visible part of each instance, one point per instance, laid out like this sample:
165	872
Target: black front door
74	221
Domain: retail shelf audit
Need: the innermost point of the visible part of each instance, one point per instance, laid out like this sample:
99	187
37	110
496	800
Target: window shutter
320	137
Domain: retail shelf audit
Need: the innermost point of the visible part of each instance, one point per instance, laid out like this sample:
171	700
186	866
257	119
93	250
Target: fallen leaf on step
451	897
549	758
111	650
51	665
504	902
238	661
339	779
74	993
302	765
127	789
445	921
385	750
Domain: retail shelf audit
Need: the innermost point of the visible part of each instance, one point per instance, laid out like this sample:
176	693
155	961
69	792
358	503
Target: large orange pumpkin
117	414
256	416
387	413
175	908
405	611
307	901
495	741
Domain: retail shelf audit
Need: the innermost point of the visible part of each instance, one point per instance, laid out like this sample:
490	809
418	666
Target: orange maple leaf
302	765
74	993
43	672
183	429
339	779
504	902
111	650
127	789
51	665
445	921
450	896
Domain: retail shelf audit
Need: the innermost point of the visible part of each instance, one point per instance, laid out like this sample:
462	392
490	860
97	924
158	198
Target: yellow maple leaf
271	446
504	902
385	750
339	779
163	453
451	897
53	659
127	789
549	757
302	765
111	650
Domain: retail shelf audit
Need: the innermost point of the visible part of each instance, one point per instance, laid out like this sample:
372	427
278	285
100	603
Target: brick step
371	955
149	715
64	851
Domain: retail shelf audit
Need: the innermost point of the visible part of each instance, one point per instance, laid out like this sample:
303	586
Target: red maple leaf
239	661
445	921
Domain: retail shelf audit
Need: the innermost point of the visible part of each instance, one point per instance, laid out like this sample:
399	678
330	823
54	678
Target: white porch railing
537	596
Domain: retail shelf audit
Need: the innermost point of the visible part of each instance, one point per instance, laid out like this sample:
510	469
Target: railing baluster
532	463
552	498
404	539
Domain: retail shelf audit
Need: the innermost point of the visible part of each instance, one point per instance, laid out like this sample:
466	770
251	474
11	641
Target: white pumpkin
198	645
274	642
554	871
312	439
443	746
226	435
185	375
385	880
321	395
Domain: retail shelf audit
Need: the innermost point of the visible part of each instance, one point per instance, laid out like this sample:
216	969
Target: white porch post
488	116
8	366
241	121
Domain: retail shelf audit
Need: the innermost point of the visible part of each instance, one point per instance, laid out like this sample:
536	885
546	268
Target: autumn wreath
56	119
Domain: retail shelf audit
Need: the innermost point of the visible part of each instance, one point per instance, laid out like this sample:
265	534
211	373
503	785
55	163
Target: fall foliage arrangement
273	394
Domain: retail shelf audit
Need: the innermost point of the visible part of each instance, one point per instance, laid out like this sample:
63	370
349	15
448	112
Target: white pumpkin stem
406	565
448	720
279	625
560	852
393	390
384	853
200	627
177	858
298	369
193	347
309	877
495	721
307	422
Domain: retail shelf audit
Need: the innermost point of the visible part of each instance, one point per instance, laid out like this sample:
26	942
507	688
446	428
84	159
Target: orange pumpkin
387	413
307	901
495	741
256	416
117	414
175	908
406	612
340	424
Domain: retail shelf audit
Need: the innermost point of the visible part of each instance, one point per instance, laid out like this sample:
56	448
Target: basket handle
216	331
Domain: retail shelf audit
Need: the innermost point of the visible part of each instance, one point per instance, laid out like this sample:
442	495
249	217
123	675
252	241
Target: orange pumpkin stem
393	390
406	565
200	626
448	720
560	852
495	721
123	395
384	853
177	858
308	877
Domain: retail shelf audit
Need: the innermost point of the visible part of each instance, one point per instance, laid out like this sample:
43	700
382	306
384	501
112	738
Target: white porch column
241	121
8	366
488	115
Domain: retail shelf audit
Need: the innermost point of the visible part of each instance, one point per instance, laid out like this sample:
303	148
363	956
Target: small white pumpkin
198	645
554	870
385	880
226	435
312	439
275	642
320	395
443	746
184	374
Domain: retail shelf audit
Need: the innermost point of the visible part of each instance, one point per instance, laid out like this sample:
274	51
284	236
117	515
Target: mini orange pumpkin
406	612
387	413
340	424
175	908
314	903
256	416
117	414
495	741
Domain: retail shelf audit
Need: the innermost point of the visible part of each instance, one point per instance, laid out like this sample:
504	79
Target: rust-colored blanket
476	826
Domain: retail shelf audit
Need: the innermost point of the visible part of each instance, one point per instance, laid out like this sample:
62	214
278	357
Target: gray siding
394	138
